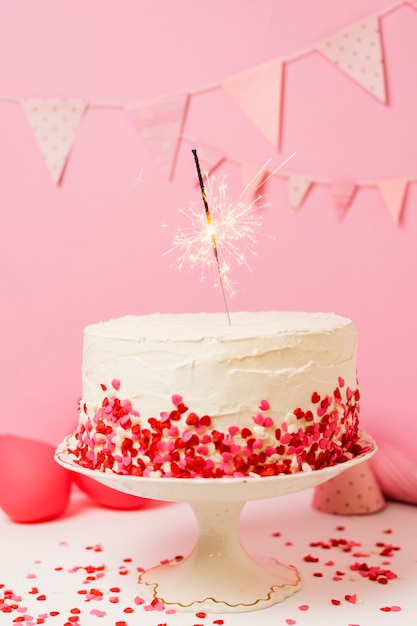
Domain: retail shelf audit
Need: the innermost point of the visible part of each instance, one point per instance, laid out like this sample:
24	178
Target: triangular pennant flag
54	123
342	192
160	123
258	92
298	187
394	192
253	177
357	51
210	158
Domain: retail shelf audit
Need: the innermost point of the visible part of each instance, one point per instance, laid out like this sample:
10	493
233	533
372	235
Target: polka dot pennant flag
357	51
394	192
258	92
342	193
55	123
298	187
160	123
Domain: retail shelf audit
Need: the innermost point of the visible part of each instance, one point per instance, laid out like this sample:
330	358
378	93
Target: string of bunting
257	91
393	191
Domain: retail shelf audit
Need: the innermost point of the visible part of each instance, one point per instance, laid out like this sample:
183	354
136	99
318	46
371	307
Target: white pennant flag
298	187
54	123
160	123
357	51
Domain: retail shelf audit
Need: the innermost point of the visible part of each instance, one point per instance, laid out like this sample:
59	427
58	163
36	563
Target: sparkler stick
211	231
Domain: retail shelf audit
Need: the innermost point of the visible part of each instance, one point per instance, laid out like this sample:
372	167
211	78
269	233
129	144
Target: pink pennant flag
394	192
210	158
357	51
258	92
298	187
253	177
160	123
54	123
343	192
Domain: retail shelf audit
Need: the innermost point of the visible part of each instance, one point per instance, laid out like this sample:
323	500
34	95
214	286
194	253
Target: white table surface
68	571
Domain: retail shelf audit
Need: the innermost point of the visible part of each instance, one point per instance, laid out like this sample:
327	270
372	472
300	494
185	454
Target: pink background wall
92	248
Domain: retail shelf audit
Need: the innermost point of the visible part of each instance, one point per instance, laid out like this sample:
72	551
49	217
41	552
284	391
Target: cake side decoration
181	444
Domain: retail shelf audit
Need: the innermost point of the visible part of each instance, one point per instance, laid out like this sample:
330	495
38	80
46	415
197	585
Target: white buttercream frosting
221	370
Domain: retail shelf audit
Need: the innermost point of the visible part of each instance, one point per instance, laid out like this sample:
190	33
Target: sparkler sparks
232	225
227	227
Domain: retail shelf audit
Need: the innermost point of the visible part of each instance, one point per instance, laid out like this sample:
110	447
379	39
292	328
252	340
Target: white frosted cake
188	395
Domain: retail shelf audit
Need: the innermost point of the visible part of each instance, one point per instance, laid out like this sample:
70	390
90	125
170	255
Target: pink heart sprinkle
98	613
290	621
268	422
233	430
264	405
396	608
304	607
258	419
176	399
115	384
341	382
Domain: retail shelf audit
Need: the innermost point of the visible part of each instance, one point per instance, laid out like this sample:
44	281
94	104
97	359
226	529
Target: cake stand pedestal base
218	576
228	578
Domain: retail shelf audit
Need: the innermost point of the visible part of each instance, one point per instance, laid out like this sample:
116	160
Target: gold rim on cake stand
218	576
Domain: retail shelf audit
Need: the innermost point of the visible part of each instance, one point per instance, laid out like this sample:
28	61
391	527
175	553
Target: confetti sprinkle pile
96	594
182	444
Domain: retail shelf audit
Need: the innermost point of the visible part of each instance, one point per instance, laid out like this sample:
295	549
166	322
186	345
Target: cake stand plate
218	576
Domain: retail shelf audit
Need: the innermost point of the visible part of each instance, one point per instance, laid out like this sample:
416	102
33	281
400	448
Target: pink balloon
33	487
396	473
107	497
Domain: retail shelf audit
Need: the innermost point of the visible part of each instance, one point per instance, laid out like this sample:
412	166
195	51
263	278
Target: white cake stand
218	576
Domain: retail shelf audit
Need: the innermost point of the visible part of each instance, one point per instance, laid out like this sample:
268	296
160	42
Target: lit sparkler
224	234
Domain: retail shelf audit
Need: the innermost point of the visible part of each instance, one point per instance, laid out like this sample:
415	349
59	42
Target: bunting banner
258	92
393	192
342	193
357	51
298	187
54	124
160	123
